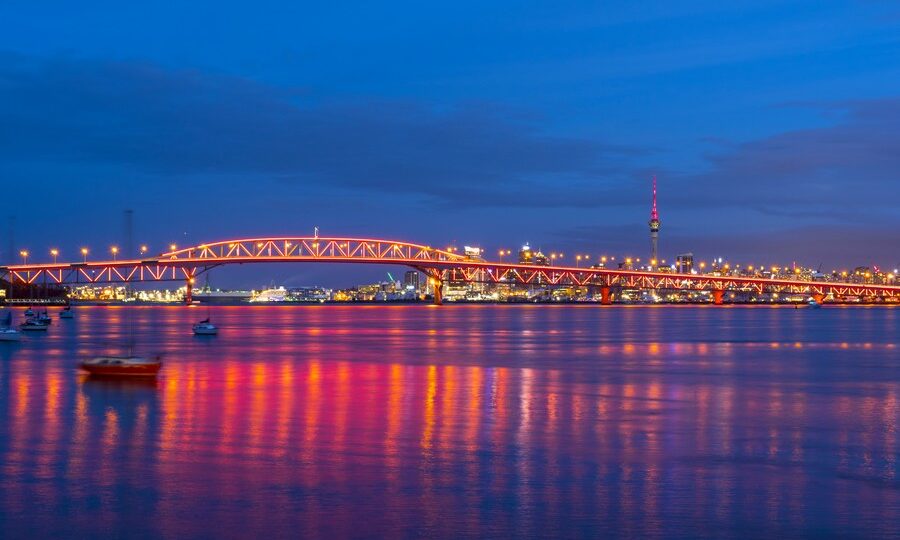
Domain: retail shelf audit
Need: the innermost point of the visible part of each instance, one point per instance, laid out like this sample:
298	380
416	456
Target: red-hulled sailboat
127	365
122	366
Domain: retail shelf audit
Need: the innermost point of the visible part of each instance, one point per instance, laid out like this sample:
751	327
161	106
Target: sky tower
654	229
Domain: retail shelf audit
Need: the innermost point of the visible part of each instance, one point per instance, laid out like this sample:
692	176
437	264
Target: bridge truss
441	266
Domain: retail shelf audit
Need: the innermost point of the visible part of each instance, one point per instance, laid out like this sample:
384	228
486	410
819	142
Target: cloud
173	124
835	246
853	163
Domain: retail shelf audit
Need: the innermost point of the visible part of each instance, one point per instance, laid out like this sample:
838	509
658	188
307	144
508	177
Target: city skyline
767	151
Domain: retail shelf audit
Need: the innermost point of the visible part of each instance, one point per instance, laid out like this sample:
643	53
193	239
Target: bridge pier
438	286
189	291
605	296
718	297
818	297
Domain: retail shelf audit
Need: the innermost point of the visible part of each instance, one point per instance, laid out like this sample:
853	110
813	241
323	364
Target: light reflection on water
460	421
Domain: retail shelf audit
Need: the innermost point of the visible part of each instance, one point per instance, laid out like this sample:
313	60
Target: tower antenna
654	230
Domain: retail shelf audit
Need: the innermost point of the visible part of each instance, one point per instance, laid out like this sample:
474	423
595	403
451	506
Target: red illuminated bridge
439	265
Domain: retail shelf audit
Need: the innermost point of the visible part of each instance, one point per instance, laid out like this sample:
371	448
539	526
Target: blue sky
774	127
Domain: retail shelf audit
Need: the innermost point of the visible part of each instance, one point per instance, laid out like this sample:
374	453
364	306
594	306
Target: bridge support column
818	297
718	297
189	291
438	286
605	296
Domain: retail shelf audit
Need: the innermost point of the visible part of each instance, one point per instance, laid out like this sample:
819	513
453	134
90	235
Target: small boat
205	328
29	312
33	325
10	334
66	313
814	305
44	318
7	332
122	366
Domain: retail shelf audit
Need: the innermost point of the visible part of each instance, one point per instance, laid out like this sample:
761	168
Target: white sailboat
205	328
7	332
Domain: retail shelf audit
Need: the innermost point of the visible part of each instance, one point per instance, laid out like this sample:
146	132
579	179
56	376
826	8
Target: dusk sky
773	127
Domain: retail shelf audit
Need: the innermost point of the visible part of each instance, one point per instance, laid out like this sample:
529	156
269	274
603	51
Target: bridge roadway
440	266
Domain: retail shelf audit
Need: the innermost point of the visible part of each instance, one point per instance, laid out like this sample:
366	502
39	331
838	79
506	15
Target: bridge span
440	266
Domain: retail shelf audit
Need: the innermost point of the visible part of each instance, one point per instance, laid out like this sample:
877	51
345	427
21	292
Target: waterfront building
411	280
530	256
684	263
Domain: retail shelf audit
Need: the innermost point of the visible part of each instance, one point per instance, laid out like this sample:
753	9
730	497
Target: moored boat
33	325
66	313
7	332
10	334
205	328
122	366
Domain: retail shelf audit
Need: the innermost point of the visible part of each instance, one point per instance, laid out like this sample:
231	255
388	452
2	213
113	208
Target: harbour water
459	421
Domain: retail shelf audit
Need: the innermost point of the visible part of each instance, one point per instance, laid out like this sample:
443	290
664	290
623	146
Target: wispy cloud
176	123
853	164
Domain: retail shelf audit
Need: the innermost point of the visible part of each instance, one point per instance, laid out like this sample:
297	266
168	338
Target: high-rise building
654	229
684	263
530	256
411	280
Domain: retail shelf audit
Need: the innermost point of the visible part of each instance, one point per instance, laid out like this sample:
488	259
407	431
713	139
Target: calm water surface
459	421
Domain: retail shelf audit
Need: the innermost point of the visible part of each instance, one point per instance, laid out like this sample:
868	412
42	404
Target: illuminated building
684	263
529	256
411	280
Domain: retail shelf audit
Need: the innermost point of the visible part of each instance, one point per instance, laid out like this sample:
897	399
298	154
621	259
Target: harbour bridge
441	266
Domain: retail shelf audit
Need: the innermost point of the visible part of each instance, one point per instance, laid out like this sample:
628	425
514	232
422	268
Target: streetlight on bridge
55	253
24	254
84	253
115	251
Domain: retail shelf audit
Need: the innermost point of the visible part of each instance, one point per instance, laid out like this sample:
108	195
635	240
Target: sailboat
129	365
66	313
44	318
34	324
7	332
205	328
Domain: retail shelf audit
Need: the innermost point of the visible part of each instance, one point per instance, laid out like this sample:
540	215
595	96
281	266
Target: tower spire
654	229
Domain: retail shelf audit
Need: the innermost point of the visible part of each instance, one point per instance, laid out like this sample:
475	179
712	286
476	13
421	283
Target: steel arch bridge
440	266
